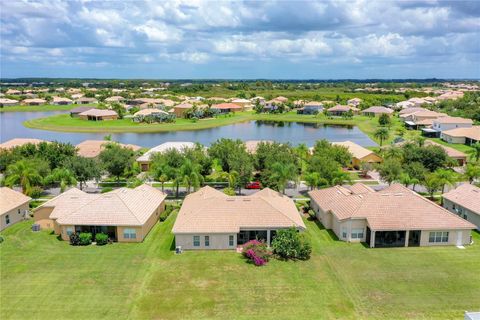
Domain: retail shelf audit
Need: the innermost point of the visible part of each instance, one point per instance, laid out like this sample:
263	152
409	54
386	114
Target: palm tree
406	180
381	134
341	177
190	174
63	177
22	173
160	173
445	177
393	153
282	174
472	172
476	151
432	184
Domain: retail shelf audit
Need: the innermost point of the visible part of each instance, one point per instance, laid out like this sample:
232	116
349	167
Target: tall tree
84	169
446	177
432	184
24	174
64	177
390	170
281	174
190	173
116	159
472	172
381	134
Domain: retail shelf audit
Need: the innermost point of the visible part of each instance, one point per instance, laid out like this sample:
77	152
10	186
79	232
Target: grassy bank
39	108
68	124
148	281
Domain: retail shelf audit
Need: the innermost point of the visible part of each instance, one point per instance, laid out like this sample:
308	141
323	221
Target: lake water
293	132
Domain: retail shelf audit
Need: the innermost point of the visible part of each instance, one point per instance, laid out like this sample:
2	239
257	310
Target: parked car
253	185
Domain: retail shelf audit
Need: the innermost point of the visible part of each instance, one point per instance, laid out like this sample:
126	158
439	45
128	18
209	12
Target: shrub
257	252
101	239
106	189
1	239
290	244
35	192
85	238
74	239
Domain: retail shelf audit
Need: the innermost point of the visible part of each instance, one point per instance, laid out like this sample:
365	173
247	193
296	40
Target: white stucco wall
217	241
463	212
15	215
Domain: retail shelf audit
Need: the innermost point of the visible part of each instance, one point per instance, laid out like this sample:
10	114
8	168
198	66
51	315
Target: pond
294	132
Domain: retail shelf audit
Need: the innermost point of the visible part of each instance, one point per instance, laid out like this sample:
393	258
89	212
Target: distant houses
340	110
18	142
393	217
376	111
34	102
60	101
93	148
98	115
145	159
8	102
227	107
359	154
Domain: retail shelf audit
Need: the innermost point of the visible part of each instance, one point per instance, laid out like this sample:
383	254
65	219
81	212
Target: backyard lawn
44	278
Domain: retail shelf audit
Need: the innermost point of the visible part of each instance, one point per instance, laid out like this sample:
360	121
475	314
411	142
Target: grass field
44	278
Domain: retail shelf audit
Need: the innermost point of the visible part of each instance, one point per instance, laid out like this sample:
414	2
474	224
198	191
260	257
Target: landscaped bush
290	244
85	238
257	251
106	189
101	239
74	239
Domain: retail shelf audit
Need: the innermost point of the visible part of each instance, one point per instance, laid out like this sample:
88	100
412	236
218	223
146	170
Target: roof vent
230	199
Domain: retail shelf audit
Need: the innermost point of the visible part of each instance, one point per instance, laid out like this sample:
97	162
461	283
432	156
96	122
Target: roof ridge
271	205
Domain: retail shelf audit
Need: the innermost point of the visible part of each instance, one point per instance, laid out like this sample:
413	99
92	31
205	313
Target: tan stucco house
359	153
393	217
14	207
465	202
126	215
209	219
145	159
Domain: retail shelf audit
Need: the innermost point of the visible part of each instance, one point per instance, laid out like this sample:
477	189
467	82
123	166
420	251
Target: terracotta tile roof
465	195
226	105
472	133
252	145
211	211
411	110
92	148
10	199
98	113
340	108
115	99
19	142
120	207
149	111
61	99
183	106
356	150
378	110
27	101
394	208
453	120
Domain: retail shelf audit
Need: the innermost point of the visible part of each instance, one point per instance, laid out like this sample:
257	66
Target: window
69	231
7	219
438	237
207	241
129	233
230	240
19	211
344	233
357	233
196	241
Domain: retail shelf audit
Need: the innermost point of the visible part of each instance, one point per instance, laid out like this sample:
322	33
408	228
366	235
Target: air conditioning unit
178	249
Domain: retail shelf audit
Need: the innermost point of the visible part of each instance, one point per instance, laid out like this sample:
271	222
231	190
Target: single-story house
312	107
34	102
446	123
59	101
410	110
144	160
92	148
465	202
227	107
252	145
340	110
466	136
209	219
452	153
244	103
13	92
76	111
98	115
14	207
393	217
404	105
126	215
354	102
115	99
180	109
417	102
376	111
359	153
86	100
261	100
8	102
148	111
17	142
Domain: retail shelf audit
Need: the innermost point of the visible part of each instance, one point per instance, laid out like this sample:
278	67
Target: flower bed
257	252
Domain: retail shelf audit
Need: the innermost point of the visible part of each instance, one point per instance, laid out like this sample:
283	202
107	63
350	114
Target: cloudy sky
267	39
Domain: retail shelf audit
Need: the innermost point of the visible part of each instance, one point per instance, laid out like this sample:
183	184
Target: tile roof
394	208
164	147
149	111
10	199
124	206
226	105
356	150
453	120
92	148
211	211
472	132
411	110
19	142
465	195
98	113
378	109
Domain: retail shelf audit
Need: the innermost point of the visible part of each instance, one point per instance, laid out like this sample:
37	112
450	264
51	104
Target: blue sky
267	39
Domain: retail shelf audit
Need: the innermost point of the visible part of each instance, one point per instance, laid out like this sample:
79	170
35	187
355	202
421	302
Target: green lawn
44	278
